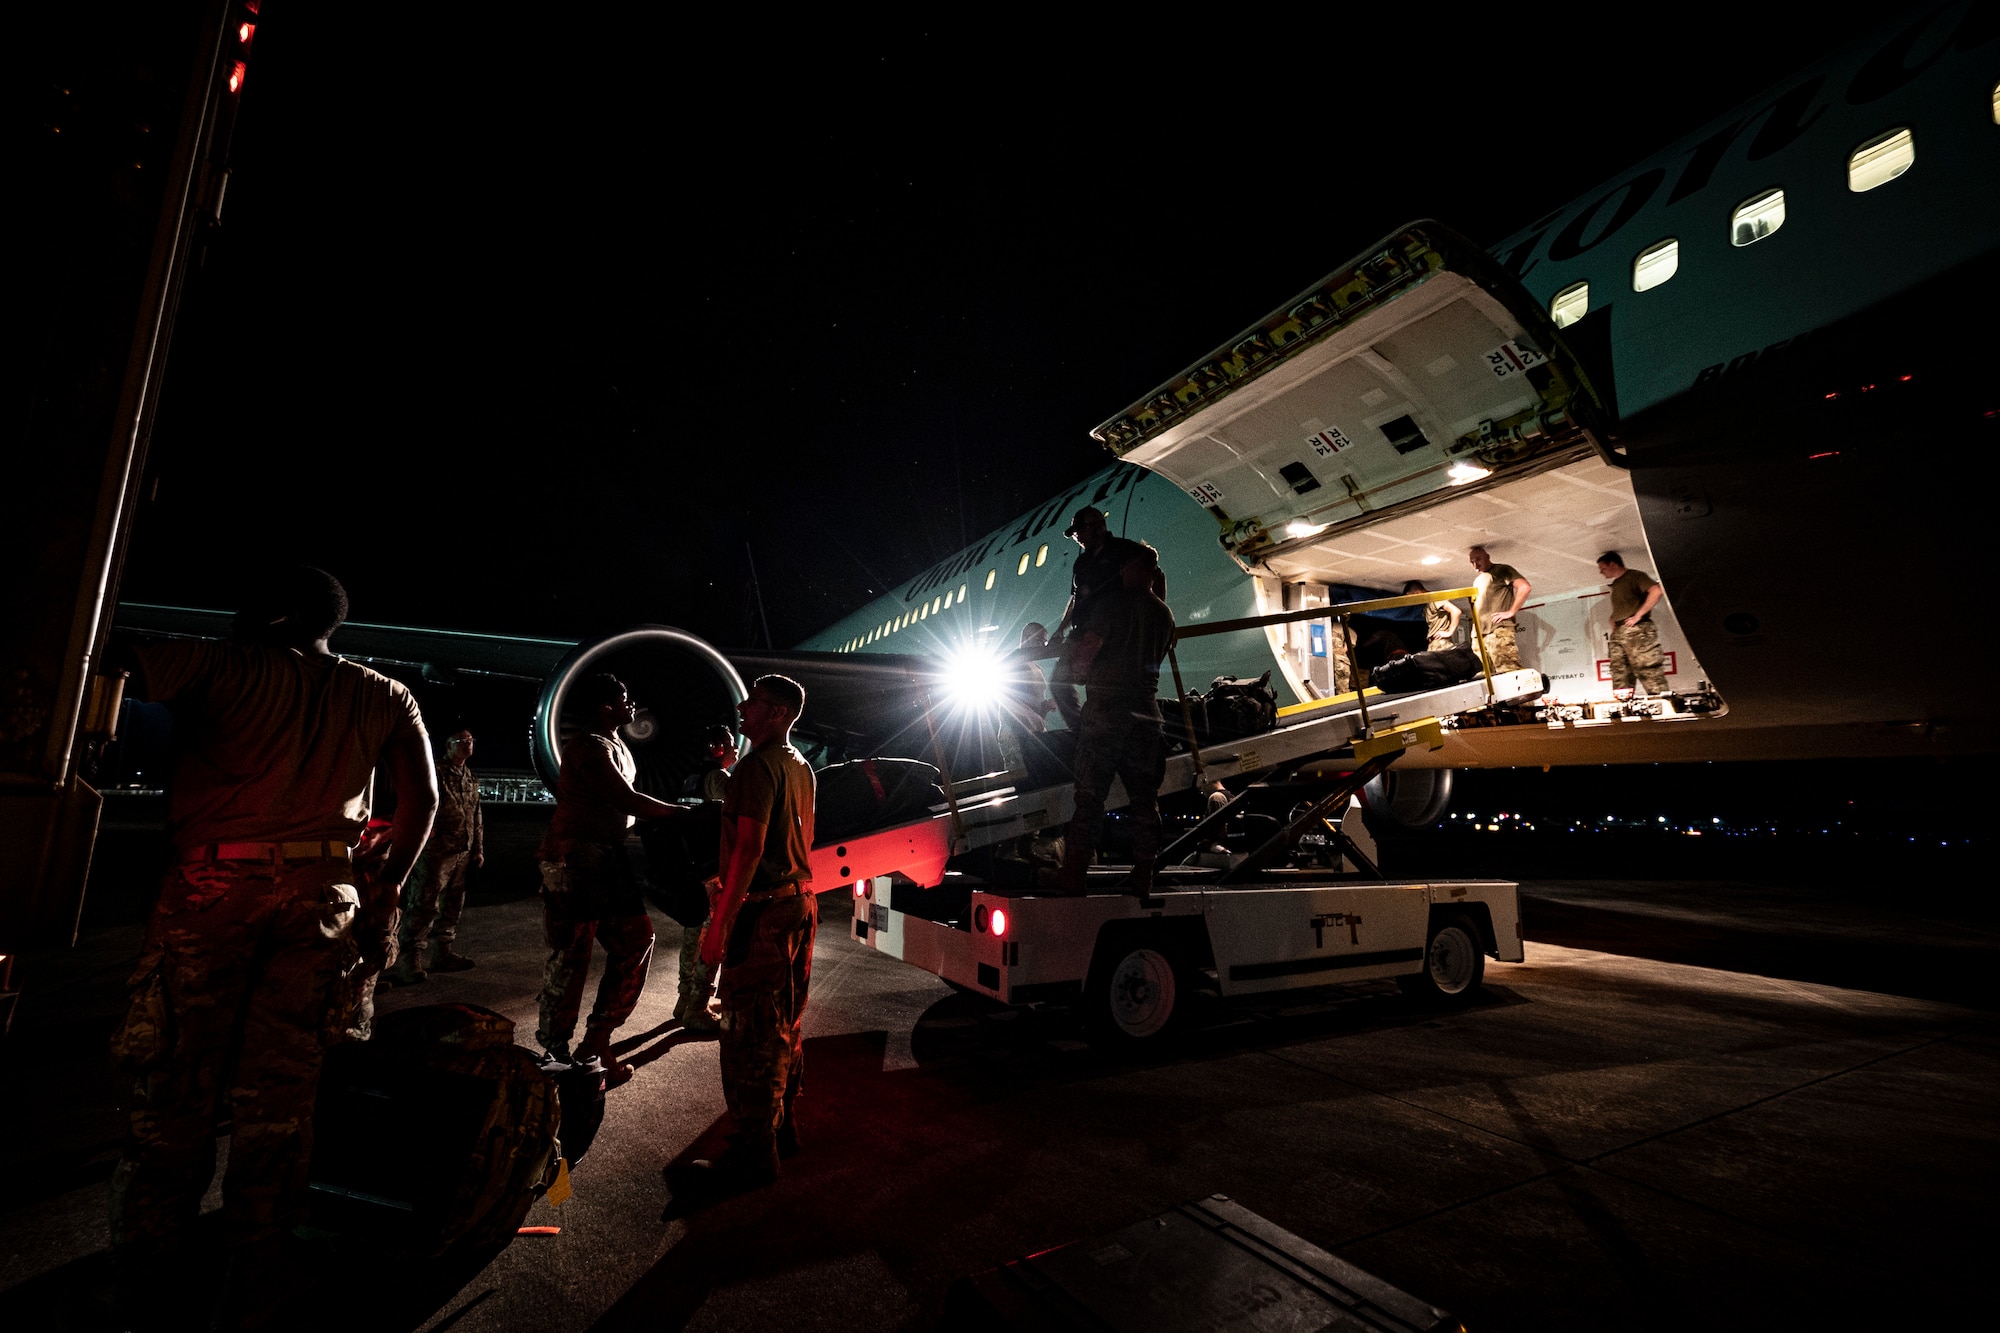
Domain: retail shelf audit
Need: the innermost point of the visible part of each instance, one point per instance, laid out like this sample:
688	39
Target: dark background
530	323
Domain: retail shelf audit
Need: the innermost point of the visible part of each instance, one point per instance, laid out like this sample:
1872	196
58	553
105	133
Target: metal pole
944	773
1354	674
1479	637
1187	718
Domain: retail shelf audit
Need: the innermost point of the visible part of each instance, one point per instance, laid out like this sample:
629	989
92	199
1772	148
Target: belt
266	851
792	890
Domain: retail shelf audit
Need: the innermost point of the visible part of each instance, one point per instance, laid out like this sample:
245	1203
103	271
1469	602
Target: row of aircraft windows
943	601
1874	163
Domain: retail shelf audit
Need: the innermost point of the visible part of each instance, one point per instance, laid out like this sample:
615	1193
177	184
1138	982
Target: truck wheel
1454	962
1135	995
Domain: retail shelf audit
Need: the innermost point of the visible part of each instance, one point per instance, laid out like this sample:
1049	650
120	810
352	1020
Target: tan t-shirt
1496	590
591	787
775	786
273	745
1628	592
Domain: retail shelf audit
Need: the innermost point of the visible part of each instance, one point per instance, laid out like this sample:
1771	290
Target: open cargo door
1418	370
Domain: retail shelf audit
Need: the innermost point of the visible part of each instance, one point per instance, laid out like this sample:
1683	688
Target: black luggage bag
869	794
1425	671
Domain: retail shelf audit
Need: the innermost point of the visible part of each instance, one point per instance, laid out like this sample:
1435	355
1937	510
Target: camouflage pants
230	1002
1120	738
697	977
433	900
1501	647
375	935
590	894
764	976
1636	653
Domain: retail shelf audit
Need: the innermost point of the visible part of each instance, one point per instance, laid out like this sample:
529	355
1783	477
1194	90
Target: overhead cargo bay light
1419	367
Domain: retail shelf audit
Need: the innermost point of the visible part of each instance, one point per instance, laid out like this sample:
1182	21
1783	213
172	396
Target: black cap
1077	521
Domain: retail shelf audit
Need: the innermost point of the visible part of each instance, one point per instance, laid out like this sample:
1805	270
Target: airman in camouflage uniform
1503	591
761	931
1120	639
239	977
588	888
374	938
1634	649
435	896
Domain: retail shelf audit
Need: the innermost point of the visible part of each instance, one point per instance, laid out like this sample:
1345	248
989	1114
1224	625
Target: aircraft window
991	574
1656	264
1570	304
961	594
1880	160
1021	568
1757	217
1042	556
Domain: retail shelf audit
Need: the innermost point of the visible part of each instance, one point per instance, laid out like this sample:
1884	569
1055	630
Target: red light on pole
999	922
236	77
246	32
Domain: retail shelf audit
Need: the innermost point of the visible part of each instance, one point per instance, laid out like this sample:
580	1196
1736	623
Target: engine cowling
681	685
1409	798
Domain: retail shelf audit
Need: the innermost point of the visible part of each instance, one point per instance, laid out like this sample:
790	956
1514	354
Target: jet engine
680	685
1409	798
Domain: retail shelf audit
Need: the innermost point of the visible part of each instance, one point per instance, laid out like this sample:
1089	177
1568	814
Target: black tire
1137	994
1454	963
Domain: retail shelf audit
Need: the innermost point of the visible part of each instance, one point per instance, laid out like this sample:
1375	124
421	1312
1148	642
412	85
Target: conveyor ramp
988	815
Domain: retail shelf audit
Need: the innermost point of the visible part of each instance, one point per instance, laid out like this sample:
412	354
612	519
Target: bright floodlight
1460	473
974	679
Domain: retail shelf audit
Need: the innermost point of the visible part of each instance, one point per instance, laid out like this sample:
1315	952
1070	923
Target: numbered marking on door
1512	358
1206	493
1328	442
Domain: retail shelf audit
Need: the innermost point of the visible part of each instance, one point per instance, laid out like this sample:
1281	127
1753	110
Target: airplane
1753	363
1746	363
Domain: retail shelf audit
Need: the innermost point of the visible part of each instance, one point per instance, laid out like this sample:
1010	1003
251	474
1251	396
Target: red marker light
1833	395
236	77
999	922
245	33
1831	453
860	887
1904	379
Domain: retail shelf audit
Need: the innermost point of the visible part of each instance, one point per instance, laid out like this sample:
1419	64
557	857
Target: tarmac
1696	1104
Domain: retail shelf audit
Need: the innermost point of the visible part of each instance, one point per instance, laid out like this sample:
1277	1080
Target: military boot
596	1048
444	959
740	1166
1074	877
406	972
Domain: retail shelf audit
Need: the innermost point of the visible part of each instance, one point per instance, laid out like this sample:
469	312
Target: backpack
1240	707
438	1133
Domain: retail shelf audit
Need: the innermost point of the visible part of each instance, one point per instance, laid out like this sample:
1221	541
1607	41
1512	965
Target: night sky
531	324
